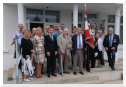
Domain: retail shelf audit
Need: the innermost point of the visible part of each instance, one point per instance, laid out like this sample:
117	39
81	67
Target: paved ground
114	82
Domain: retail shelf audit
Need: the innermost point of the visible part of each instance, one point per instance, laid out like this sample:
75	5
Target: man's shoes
75	73
48	75
54	74
88	70
112	68
54	71
82	73
67	72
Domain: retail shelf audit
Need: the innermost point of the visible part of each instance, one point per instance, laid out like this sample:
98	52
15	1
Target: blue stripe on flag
87	19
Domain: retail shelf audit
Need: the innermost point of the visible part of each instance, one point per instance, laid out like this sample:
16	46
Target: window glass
111	18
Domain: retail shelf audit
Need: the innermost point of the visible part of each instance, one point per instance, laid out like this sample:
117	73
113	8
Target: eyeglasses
55	26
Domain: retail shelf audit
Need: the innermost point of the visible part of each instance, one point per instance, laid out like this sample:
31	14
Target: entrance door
32	25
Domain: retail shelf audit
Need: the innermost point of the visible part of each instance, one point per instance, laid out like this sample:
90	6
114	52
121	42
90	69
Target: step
106	69
67	78
10	74
114	82
89	82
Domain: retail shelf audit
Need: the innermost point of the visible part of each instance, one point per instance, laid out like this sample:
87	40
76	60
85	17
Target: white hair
78	28
47	25
60	30
110	28
66	29
99	30
93	30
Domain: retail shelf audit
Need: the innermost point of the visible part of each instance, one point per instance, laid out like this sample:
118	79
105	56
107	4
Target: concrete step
106	74
114	82
89	82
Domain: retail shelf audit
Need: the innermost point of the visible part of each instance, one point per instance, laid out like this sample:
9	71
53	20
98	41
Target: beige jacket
62	43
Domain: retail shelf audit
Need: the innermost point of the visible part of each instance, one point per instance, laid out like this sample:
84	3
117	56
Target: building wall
11	25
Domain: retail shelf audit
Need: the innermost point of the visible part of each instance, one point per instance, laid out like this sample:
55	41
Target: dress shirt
80	41
51	36
18	35
111	38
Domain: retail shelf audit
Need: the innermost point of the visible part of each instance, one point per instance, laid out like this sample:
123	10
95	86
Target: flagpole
88	58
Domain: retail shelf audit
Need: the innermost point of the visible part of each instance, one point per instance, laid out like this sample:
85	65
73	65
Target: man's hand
55	52
68	47
48	53
113	48
63	52
106	48
14	43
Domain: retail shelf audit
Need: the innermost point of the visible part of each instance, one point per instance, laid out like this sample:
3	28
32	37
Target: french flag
88	34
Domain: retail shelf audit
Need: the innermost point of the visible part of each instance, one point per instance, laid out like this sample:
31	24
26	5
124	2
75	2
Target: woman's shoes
37	77
27	80
40	76
30	78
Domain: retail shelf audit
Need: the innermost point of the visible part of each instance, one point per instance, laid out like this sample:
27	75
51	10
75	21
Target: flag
88	34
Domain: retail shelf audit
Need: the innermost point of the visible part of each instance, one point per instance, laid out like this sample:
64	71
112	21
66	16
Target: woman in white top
38	44
98	48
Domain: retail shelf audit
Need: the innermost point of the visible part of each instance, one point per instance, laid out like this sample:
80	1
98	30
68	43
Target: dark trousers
111	57
92	61
51	62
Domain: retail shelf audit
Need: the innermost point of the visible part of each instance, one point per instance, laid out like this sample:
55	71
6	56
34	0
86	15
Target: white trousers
27	67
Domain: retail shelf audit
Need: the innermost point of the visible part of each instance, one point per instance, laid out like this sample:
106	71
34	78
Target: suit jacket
115	41
74	40
62	43
50	45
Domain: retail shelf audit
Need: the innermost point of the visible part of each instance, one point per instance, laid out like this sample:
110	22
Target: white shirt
100	45
80	41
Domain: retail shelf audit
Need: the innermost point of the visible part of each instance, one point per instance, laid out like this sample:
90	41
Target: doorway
32	25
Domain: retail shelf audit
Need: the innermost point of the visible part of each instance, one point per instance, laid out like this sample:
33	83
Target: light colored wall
66	19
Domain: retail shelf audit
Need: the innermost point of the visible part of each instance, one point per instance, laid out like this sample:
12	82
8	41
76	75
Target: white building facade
42	14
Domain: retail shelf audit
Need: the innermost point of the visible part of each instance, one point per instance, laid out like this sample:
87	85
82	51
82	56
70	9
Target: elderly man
78	50
111	42
47	29
64	43
102	37
62	26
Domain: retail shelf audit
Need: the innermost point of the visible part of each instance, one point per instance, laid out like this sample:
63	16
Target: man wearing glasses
62	27
47	29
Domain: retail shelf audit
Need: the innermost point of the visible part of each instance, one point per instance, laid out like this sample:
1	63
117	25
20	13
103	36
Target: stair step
89	82
106	69
10	74
63	80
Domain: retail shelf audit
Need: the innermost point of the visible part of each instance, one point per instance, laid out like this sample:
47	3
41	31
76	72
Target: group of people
53	43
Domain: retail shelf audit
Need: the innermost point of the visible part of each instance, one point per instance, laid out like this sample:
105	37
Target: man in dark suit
51	50
78	50
111	42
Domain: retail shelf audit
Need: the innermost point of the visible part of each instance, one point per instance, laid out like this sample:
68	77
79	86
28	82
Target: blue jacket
74	40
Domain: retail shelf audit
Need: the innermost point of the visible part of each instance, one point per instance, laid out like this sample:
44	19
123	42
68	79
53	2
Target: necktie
110	40
79	42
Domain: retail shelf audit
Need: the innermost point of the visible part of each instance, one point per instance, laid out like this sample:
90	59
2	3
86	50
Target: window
111	18
35	15
92	16
121	19
79	17
121	34
52	16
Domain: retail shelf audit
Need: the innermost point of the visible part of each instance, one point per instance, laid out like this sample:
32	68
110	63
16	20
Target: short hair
110	28
66	29
47	25
24	30
93	30
96	34
50	28
38	29
33	28
19	24
99	30
60	30
79	28
62	24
